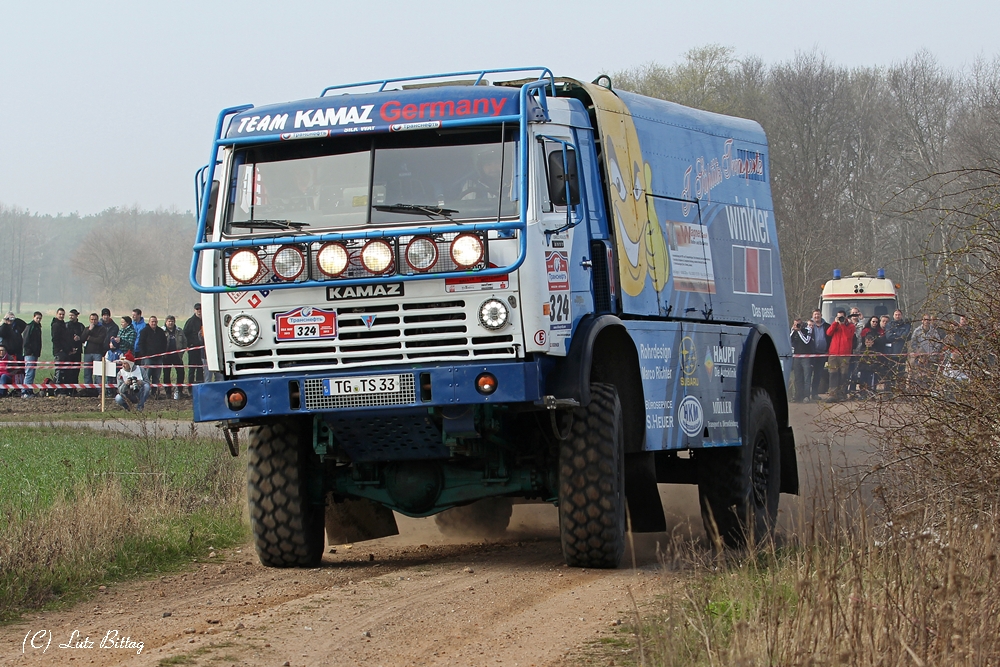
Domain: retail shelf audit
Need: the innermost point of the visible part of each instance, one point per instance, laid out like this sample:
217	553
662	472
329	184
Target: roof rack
382	83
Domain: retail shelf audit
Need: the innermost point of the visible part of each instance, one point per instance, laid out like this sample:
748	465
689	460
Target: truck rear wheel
739	487
287	527
592	483
484	518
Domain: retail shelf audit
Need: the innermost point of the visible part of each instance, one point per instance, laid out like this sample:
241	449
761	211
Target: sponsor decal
364	291
313	134
540	337
724	354
762	312
722	407
691	257
255	300
752	270
689	362
708	173
720	361
369	320
356	115
557	270
405	127
476	284
306	323
748	223
262	123
691	416
236	297
655	351
394	110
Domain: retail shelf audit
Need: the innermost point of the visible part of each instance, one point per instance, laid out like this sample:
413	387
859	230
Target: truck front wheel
592	483
739	487
287	527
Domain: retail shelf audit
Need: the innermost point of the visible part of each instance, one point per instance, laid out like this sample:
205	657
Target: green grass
81	508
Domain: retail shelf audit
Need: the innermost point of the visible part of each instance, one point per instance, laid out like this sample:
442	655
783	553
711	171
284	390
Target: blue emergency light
836	274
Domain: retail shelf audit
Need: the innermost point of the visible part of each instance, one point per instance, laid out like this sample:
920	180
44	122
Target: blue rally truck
435	295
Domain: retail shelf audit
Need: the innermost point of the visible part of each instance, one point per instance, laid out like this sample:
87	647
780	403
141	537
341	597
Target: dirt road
412	599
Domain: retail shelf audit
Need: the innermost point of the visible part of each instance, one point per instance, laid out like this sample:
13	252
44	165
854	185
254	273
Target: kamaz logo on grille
364	291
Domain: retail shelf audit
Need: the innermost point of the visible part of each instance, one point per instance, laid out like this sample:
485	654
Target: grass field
81	508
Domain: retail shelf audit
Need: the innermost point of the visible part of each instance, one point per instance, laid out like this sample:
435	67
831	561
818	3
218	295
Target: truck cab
428	292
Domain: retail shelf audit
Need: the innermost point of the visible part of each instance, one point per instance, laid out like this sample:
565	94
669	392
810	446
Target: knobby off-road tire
484	518
592	483
739	487
287	528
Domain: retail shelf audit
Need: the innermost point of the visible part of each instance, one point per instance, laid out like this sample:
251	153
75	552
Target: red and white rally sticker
306	323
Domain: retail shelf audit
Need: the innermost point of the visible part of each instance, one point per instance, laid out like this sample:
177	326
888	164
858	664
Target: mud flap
789	463
356	520
645	509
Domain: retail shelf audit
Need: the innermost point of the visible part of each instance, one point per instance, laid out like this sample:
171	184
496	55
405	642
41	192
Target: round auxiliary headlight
243	330
377	256
332	259
244	266
288	263
493	314
467	250
422	253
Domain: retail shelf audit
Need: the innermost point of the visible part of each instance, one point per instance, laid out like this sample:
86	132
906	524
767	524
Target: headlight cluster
244	330
493	314
358	258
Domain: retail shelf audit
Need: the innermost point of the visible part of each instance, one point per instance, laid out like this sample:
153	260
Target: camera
841	318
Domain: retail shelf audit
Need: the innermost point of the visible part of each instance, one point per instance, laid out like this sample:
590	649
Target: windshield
379	180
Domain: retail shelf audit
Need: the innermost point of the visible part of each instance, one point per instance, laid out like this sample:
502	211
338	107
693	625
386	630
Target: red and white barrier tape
79	386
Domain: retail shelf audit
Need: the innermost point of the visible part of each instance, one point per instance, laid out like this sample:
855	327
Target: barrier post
104	375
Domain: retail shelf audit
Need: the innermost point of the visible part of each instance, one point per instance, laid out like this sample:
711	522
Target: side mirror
213	200
563	176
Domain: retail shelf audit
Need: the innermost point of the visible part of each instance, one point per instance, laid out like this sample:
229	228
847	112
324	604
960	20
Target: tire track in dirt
421	601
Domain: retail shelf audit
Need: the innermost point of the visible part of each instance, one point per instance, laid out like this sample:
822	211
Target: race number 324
559	307
306	331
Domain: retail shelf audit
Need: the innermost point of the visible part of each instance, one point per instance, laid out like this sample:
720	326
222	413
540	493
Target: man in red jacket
841	337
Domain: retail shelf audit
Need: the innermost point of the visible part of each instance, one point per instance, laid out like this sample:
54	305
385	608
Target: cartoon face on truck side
642	250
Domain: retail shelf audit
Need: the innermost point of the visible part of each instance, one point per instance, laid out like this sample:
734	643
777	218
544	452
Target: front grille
315	400
424	331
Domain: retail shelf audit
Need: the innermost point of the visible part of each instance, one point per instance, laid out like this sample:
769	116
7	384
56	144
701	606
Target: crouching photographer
133	384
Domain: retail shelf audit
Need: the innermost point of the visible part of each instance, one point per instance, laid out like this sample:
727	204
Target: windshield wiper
268	224
429	211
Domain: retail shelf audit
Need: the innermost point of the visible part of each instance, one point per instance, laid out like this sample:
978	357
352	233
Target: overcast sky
113	103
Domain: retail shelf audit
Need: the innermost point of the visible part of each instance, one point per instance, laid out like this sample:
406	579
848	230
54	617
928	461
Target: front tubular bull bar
521	225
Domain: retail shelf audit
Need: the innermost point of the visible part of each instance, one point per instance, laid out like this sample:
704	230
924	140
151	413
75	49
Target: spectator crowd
132	341
856	356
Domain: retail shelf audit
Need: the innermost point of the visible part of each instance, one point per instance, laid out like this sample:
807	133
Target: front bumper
438	385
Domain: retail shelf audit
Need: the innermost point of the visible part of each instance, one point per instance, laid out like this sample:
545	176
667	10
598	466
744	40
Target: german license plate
371	384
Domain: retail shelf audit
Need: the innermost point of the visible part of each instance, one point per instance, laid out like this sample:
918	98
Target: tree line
122	257
859	157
